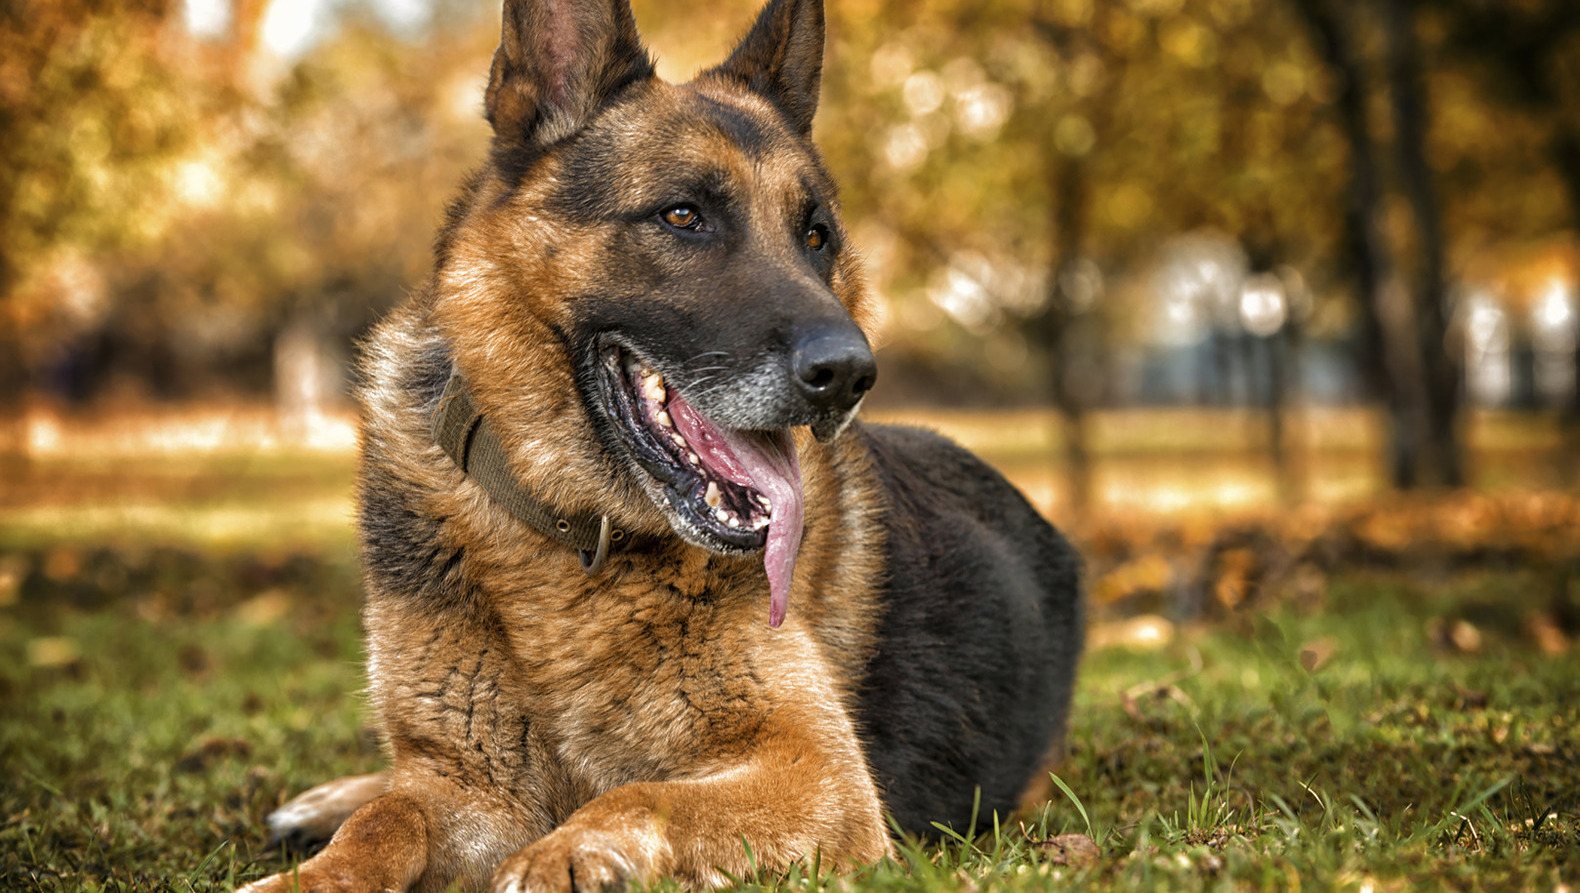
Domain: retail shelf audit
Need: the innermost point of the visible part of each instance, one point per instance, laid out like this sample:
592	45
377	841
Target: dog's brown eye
682	217
816	237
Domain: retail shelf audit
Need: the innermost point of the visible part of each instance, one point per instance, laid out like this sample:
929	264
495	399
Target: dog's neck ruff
466	437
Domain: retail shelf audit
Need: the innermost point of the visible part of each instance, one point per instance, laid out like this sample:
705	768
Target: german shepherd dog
643	599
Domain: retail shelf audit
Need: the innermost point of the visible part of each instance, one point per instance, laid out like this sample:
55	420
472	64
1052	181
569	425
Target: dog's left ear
782	58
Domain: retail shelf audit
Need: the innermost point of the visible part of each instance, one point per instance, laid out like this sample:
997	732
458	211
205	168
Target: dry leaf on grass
1546	633
1071	850
1316	654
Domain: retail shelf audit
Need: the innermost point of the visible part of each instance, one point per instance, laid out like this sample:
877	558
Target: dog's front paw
574	860
306	881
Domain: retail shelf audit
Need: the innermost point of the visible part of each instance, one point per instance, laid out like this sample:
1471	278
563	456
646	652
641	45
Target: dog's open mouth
727	490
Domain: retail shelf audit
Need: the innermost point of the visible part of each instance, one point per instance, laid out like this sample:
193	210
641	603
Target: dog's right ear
782	58
557	62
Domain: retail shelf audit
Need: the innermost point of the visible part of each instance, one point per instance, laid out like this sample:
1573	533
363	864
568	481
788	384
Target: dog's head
660	268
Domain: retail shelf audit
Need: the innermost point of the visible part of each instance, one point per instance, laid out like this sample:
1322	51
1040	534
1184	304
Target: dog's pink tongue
766	462
776	473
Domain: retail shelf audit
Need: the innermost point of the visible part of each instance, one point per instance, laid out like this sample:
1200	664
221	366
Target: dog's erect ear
557	61
782	58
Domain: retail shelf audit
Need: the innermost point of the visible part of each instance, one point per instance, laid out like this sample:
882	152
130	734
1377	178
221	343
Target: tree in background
176	206
1440	373
90	115
1390	356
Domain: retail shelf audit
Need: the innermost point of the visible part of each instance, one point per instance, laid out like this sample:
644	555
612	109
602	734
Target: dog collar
466	437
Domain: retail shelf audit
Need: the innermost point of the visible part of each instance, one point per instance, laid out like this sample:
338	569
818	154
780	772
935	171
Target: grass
149	734
161	690
157	703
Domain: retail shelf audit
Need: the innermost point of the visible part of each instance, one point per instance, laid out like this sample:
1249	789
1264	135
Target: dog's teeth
694	459
664	419
733	521
721	514
759	523
712	496
763	501
679	441
653	386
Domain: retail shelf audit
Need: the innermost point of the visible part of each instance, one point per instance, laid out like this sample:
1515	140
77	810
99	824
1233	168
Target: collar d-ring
592	562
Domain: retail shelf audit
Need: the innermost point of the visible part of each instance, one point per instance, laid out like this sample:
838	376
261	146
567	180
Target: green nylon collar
464	434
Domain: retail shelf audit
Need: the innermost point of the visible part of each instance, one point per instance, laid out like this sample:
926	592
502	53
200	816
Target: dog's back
979	637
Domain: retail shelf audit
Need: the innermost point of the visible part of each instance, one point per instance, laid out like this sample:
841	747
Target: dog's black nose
834	367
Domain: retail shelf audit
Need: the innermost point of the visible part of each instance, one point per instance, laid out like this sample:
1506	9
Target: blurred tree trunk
1391	365
1289	466
1226	347
1440	385
1065	329
1524	48
1565	150
14	386
1056	329
1277	446
22	42
15	383
1280	352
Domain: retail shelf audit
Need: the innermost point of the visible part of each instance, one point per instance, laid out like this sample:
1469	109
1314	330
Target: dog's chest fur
563	694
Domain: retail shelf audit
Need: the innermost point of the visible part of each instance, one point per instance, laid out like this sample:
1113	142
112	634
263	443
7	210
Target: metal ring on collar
592	563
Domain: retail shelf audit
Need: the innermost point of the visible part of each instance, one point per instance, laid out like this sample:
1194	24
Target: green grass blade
1079	807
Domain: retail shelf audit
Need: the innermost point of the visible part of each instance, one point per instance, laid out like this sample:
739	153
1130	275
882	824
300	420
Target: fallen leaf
1072	850
1316	654
1233	585
1465	636
62	563
194	661
1454	635
1469	698
11	573
265	608
1132	699
50	652
1546	632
